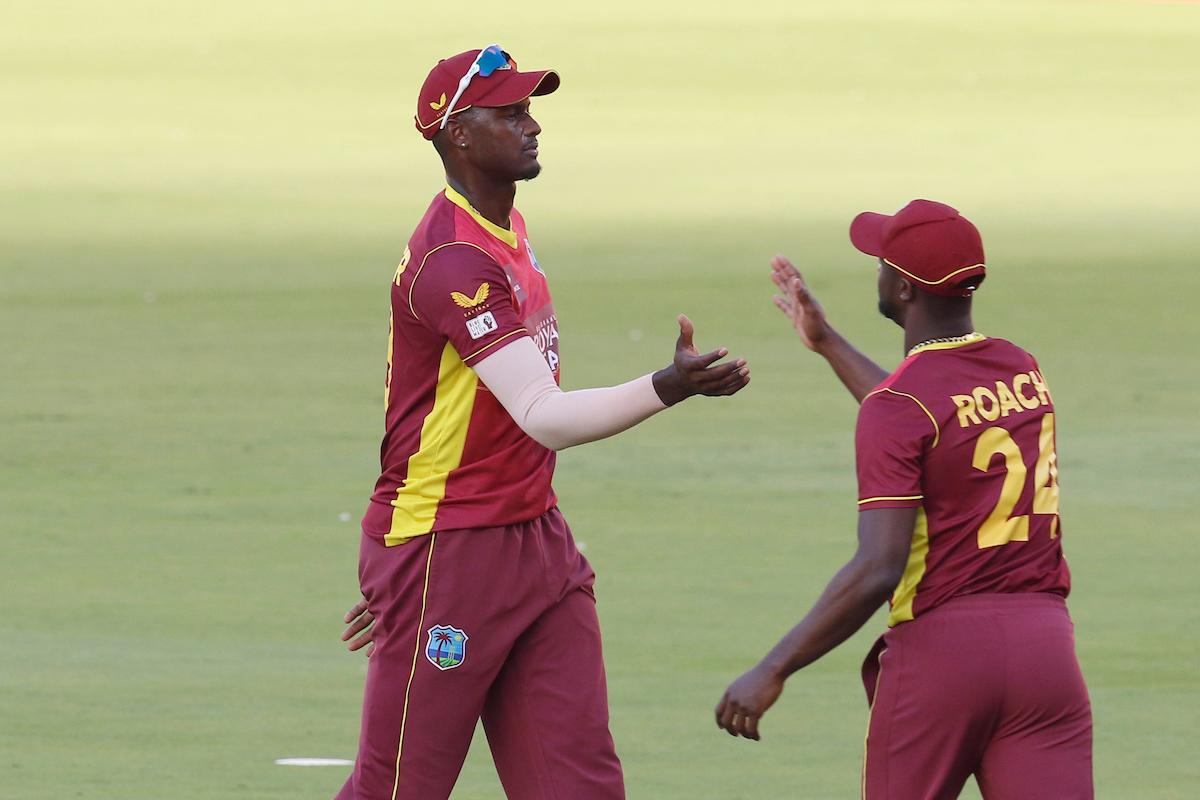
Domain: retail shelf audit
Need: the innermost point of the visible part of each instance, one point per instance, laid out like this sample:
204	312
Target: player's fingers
731	378
750	729
702	362
362	641
781	264
713	375
803	296
716	388
357	626
778	277
725	720
782	304
732	386
370	650
357	609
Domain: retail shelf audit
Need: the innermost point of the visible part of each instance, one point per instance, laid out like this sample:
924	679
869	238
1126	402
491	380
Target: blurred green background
202	208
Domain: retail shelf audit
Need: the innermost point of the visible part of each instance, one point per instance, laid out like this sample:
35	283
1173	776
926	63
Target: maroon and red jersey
964	431
451	456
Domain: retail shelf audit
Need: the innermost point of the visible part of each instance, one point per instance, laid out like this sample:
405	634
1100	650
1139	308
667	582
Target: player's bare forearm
848	602
845	606
858	373
855	592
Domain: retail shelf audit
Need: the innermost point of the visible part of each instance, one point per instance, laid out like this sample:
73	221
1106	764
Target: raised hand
361	622
746	700
691	373
795	300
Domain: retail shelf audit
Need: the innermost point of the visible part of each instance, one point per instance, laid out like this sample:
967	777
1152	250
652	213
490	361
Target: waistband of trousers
1001	601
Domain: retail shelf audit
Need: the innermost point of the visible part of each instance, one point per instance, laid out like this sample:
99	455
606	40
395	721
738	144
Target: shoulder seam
412	284
937	432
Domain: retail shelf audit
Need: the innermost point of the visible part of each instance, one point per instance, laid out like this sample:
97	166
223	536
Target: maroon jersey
451	456
965	432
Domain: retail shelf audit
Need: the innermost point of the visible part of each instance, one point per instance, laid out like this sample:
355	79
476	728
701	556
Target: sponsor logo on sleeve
482	325
470	301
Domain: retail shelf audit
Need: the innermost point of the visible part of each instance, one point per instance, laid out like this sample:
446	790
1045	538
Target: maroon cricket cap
930	243
503	87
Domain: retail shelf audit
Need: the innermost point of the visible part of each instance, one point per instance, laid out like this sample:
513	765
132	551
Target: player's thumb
686	329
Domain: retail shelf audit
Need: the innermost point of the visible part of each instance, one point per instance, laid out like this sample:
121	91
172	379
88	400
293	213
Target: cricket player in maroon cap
476	598
958	529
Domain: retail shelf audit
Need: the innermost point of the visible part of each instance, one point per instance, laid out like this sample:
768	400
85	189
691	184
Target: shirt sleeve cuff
891	501
485	349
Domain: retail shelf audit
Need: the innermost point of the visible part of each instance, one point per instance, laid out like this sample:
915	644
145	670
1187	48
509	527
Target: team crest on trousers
447	647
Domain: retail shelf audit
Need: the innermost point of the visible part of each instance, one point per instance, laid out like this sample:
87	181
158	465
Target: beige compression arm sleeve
519	377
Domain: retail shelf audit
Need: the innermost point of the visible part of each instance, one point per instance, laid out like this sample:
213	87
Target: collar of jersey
505	235
960	341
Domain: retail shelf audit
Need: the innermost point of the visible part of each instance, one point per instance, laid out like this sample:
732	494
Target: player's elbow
879	577
549	422
546	428
549	438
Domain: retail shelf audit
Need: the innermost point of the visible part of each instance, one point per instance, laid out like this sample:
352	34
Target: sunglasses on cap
490	59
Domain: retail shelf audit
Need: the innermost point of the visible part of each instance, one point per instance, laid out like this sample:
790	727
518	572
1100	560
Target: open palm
796	301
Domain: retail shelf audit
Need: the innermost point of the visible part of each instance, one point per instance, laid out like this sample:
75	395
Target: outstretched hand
797	302
691	373
361	624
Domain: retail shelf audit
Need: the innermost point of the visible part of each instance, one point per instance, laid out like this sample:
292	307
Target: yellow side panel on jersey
443	437
387	386
906	590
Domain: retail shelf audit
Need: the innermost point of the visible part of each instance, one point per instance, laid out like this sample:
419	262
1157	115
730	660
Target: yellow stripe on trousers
443	438
413	669
870	713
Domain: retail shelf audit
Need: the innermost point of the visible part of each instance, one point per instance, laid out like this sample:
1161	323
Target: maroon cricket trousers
497	624
985	685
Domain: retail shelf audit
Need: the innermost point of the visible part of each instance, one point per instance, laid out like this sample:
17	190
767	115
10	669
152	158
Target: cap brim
866	232
521	86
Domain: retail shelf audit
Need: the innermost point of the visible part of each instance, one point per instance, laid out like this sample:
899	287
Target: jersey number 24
1001	527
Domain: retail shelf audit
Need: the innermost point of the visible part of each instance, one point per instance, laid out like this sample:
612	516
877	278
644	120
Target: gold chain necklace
966	338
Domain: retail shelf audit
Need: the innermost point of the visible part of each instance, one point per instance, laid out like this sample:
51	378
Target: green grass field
203	204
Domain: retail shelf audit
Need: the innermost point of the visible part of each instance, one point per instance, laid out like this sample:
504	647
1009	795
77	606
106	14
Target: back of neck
922	331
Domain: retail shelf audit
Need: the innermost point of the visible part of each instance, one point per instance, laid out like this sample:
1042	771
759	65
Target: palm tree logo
447	646
442	638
